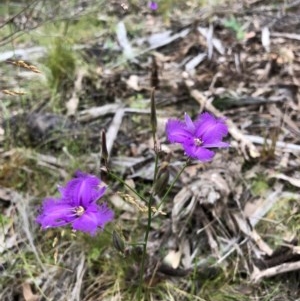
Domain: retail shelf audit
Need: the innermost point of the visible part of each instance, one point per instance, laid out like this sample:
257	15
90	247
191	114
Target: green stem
172	184
150	219
147	232
125	184
155	169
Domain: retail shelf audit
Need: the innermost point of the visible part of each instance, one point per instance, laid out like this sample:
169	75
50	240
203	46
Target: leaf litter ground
230	228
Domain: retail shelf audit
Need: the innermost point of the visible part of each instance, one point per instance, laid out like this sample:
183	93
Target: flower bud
153	117
154	74
162	179
118	242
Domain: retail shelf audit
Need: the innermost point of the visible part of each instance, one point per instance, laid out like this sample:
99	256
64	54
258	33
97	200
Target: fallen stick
96	112
279	144
286	35
113	129
279	269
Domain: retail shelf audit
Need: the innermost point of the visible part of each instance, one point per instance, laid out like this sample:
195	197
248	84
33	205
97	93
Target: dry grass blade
80	270
255	212
26	226
73	102
23	64
243	226
13	93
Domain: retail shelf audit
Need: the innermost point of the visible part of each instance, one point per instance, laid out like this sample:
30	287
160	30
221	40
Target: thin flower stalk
149	220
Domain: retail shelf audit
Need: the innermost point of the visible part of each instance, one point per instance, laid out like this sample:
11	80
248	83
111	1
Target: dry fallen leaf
173	258
28	294
133	82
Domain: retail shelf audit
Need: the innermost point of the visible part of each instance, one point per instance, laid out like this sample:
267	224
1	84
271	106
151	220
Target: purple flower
198	136
77	206
153	5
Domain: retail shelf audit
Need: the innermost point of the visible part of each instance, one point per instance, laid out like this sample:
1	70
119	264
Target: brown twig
279	269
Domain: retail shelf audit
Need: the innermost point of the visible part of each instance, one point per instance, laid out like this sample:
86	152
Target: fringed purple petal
210	129
55	213
105	215
83	190
200	153
88	223
177	131
189	123
94	218
98	194
153	5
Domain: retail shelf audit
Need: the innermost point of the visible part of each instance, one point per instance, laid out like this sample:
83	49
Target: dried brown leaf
173	258
28	294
